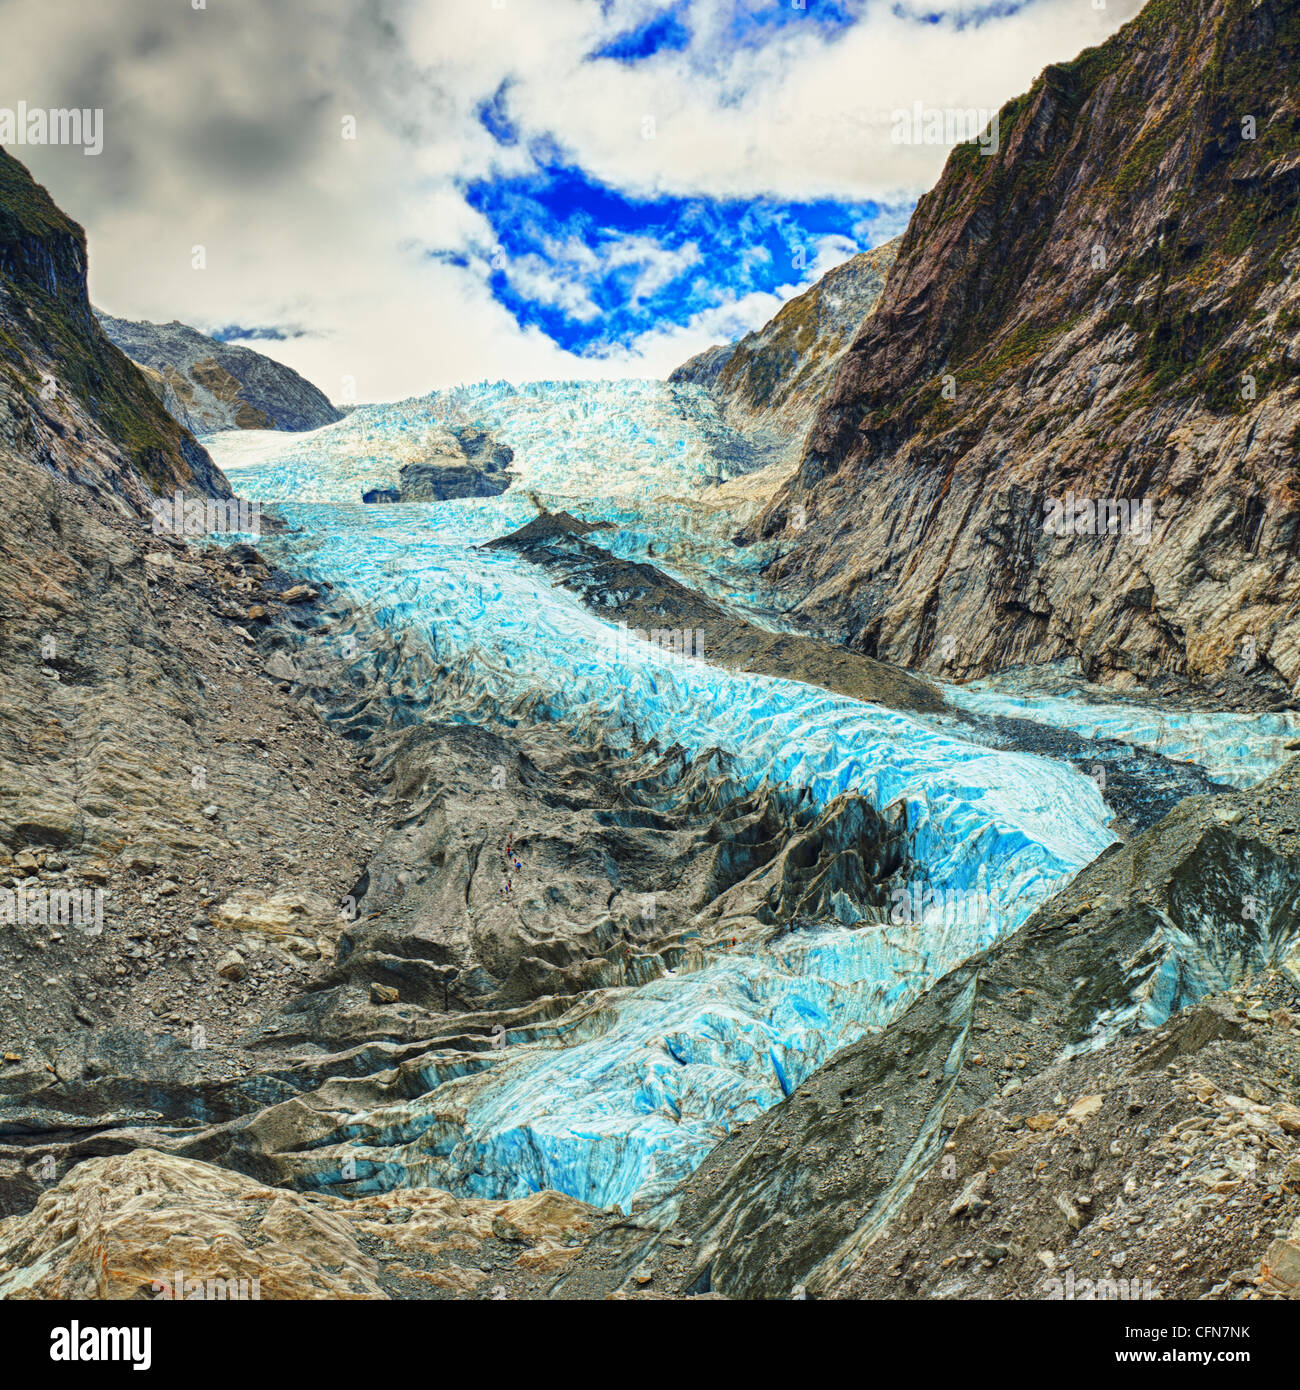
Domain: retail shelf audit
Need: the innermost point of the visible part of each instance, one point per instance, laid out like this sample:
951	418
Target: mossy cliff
68	397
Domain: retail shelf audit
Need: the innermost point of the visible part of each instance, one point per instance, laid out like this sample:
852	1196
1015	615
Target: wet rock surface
659	609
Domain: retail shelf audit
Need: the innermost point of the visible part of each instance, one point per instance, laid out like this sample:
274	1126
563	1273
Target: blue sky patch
753	22
748	24
270	333
496	119
966	16
662	33
593	268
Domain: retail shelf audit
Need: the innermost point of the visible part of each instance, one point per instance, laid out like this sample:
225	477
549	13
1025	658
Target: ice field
626	1112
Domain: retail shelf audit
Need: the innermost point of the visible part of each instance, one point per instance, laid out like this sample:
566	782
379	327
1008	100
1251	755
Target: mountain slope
125	680
771	380
209	385
1108	307
69	399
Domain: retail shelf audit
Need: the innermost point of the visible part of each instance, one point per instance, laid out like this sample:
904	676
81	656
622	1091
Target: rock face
147	1225
463	461
1019	1092
68	398
769	383
149	768
1157	1169
210	385
1106	310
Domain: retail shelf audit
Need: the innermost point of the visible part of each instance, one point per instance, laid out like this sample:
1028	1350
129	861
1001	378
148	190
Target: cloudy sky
413	193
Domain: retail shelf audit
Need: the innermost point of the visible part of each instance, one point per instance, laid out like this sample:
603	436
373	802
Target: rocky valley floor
312	981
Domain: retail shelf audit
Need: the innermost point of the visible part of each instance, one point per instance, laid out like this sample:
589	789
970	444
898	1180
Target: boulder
143	1224
304	922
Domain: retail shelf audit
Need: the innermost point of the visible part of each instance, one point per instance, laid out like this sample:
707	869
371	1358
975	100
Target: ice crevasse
1238	749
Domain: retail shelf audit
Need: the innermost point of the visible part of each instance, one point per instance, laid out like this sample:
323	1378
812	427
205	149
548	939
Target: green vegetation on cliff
46	325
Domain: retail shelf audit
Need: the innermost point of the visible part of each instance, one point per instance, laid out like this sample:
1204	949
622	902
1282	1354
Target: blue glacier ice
625	1099
634	439
418	568
626	1114
630	1112
1234	748
642	454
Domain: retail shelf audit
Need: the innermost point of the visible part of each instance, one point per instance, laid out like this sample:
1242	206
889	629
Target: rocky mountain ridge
208	385
769	383
1104	316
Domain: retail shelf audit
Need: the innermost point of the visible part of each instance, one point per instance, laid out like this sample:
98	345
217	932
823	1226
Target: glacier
634	439
618	1104
645	455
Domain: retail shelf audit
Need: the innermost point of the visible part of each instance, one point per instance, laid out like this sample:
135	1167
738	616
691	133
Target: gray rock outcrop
209	385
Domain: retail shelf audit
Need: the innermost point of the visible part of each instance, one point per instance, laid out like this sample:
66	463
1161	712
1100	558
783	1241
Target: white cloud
658	266
224	129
